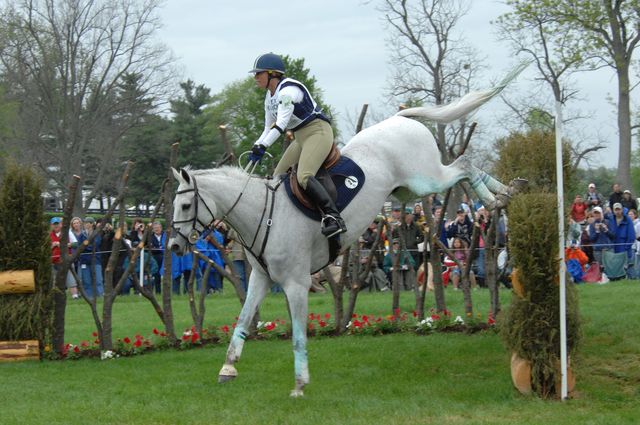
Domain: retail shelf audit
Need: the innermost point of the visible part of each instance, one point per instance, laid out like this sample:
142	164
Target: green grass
392	379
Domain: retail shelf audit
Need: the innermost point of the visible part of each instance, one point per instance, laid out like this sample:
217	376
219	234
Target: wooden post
17	282
11	351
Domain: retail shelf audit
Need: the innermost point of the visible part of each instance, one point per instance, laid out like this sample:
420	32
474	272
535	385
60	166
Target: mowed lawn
393	379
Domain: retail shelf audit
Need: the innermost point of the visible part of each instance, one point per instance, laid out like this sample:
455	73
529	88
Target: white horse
398	155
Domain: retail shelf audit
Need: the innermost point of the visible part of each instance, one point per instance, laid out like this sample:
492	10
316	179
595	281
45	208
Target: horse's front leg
297	296
259	284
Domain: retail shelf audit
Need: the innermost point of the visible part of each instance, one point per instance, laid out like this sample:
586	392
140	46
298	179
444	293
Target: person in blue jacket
214	283
601	234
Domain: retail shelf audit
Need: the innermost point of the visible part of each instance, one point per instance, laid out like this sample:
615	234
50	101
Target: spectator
461	253
461	227
628	202
482	221
579	210
600	234
156	243
635	272
624	235
56	255
106	242
593	198
239	257
406	274
137	232
616	195
411	234
214	282
418	215
91	261
150	269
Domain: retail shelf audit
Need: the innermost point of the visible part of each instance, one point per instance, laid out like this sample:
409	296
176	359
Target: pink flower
310	326
126	340
138	343
270	326
322	323
396	312
357	324
327	316
435	317
94	334
195	337
415	313
84	344
156	331
76	349
225	329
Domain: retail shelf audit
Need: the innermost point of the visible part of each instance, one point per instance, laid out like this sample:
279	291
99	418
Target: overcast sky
343	44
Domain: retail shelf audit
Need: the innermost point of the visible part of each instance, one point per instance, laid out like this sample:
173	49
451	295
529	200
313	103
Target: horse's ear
176	174
185	175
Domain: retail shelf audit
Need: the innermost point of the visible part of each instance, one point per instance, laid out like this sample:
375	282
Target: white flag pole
563	290
141	278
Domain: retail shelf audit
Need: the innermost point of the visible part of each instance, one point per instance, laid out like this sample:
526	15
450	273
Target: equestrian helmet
268	62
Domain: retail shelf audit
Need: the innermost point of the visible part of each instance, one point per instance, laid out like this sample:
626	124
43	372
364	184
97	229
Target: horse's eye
186	207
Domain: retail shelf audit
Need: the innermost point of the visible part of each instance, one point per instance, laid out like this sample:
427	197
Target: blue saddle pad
348	178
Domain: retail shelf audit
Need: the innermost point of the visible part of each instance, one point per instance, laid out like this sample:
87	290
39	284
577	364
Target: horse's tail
445	114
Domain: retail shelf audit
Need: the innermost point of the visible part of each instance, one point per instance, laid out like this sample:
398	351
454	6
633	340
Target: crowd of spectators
603	236
603	243
90	266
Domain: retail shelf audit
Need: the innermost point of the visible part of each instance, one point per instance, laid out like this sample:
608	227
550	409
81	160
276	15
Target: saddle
322	176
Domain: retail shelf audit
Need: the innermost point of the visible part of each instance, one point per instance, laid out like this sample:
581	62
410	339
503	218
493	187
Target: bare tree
533	30
431	63
84	72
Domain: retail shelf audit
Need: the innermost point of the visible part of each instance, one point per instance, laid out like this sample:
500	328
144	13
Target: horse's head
191	214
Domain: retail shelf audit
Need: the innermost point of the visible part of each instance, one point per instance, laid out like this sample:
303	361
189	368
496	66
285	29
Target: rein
194	234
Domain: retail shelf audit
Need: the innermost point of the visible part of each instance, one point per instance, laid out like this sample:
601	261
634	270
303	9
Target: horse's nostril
175	247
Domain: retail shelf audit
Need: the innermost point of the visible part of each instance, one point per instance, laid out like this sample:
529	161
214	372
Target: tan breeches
310	148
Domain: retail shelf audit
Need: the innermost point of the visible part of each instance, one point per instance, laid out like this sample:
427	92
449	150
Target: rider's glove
257	152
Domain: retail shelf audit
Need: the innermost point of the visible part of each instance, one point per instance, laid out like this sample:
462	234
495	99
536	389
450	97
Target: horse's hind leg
297	296
258	287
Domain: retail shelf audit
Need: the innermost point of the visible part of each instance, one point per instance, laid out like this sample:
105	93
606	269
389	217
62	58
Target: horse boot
332	223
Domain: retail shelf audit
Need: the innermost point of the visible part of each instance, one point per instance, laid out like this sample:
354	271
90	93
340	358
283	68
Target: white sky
343	43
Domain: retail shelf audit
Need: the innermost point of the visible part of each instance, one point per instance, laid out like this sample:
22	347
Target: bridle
194	234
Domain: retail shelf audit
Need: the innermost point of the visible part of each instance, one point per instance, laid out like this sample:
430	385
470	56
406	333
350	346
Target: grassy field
392	379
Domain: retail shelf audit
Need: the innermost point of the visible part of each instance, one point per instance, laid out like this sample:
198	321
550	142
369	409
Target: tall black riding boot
332	223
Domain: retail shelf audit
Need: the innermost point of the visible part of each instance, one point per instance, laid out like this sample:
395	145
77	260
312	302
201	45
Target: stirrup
331	233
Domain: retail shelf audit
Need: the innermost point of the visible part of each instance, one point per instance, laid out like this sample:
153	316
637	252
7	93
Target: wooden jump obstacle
18	282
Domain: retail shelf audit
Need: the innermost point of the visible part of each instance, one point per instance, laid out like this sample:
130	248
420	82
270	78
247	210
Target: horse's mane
226	171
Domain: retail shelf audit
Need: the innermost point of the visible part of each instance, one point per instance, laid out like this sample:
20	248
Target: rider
289	106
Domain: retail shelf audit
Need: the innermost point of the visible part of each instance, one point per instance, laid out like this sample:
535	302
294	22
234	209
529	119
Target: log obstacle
18	282
13	351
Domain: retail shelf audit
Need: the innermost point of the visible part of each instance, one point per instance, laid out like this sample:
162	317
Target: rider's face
262	79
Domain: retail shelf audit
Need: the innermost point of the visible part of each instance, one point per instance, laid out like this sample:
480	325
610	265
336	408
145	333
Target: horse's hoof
227	373
297	393
225	378
517	185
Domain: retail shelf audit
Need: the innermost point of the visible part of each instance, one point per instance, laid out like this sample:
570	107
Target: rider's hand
257	152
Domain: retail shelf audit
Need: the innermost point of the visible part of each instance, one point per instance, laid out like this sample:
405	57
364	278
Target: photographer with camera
601	234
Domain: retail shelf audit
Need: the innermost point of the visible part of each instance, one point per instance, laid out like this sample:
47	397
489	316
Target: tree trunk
623	175
167	279
491	259
60	294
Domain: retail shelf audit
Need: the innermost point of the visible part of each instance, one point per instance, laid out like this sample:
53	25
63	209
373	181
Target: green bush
531	325
24	245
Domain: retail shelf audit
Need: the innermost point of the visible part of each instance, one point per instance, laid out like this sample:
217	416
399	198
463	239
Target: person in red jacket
56	257
579	210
